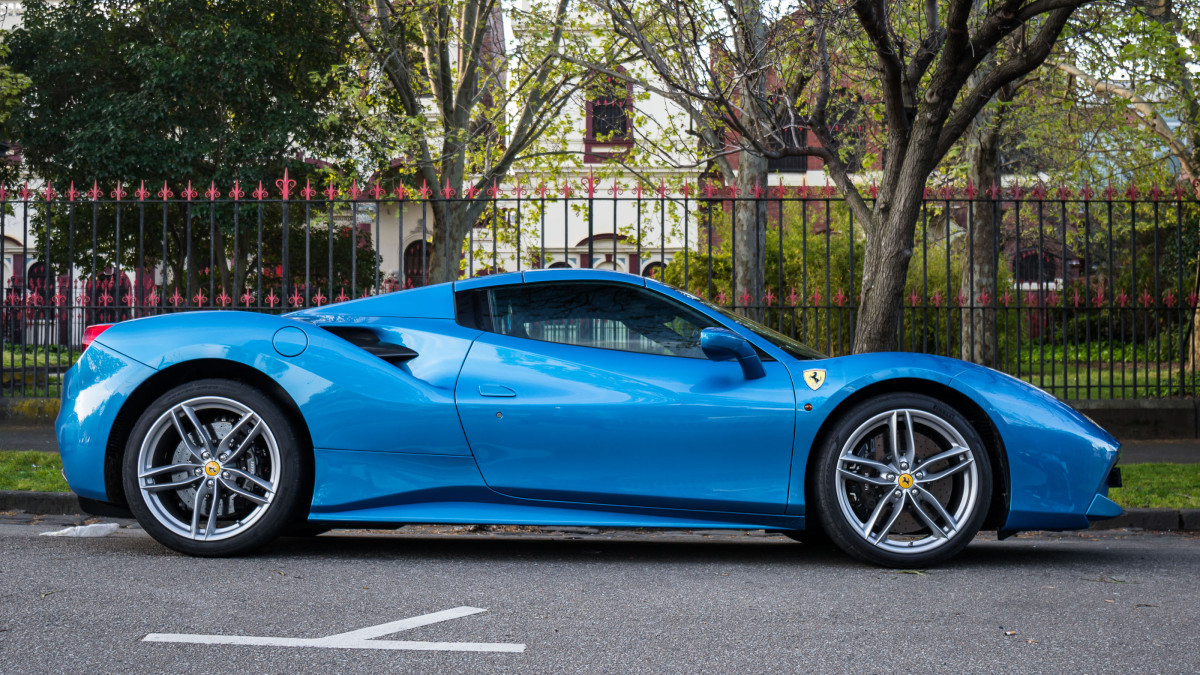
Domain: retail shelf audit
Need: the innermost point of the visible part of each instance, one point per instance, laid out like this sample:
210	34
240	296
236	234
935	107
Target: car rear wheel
213	468
903	480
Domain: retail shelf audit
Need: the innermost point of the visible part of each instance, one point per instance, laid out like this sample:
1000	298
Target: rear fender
349	399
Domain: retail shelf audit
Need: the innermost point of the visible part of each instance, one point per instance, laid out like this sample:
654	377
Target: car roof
538	276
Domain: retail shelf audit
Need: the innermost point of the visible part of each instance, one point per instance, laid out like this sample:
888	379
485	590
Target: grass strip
1158	486
32	470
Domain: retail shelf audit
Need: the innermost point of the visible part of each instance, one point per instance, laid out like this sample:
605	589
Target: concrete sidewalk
28	438
1184	451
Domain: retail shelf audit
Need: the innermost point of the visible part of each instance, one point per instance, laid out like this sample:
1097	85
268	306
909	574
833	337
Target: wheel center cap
212	468
905	480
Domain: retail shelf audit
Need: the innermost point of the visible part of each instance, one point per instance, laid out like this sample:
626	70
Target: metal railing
1087	294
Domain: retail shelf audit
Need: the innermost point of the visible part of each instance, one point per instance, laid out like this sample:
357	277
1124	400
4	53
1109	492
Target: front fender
1058	460
844	377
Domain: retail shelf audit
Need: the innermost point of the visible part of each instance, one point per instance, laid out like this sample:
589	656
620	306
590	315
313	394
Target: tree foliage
170	91
1141	61
174	89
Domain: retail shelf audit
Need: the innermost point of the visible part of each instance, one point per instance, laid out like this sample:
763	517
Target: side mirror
722	344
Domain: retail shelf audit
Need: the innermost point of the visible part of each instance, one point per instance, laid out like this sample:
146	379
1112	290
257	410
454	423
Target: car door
599	392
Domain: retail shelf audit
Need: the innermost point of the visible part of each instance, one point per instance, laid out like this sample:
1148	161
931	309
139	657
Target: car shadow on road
653	548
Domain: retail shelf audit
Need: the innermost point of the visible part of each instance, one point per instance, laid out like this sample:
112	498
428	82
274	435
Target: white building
583	235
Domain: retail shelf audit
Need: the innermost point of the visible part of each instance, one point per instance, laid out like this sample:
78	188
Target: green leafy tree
12	84
205	91
1140	64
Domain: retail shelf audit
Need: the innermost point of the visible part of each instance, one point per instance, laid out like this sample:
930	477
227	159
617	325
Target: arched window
609	111
416	261
654	270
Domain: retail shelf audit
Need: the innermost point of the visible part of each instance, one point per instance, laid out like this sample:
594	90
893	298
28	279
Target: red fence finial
285	185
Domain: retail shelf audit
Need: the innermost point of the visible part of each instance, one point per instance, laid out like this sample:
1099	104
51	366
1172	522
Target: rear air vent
368	340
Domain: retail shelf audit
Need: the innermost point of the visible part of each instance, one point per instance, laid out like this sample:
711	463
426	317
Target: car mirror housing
722	344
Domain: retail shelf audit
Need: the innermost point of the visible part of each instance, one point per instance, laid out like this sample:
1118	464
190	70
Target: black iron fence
1087	294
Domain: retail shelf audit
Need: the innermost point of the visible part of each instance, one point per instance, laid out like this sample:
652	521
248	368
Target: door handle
496	390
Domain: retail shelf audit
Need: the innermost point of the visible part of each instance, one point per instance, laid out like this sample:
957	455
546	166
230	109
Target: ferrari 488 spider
560	397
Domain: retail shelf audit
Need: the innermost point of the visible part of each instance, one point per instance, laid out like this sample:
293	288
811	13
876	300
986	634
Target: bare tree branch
1022	63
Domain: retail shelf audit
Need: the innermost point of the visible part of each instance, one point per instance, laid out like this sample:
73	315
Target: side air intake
368	340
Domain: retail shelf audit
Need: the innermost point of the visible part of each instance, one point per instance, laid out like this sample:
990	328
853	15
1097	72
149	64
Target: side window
606	316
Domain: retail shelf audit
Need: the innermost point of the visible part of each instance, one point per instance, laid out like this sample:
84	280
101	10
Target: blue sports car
560	397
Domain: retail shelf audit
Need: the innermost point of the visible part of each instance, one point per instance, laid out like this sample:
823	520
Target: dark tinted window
606	316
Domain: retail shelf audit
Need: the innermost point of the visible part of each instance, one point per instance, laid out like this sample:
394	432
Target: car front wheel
213	468
904	480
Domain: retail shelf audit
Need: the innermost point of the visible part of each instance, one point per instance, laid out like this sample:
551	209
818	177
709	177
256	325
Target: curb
1181	520
1171	520
45	503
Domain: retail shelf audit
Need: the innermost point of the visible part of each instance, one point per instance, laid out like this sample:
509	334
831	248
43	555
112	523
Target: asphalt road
604	602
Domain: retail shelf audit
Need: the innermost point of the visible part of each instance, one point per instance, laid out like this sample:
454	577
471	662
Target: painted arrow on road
363	638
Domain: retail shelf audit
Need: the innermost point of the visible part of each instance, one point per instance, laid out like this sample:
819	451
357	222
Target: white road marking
362	638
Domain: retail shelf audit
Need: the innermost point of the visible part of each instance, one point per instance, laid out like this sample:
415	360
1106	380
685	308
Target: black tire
812	536
909	509
246	476
305	530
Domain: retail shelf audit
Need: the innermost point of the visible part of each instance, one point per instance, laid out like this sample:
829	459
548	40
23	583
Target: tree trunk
886	256
750	237
452	221
979	268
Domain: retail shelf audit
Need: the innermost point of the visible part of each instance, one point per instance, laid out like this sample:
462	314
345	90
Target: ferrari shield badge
814	378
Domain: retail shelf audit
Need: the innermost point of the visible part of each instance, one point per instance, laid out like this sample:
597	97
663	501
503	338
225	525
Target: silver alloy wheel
208	468
907	481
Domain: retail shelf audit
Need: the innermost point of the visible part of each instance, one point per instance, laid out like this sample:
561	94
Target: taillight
92	332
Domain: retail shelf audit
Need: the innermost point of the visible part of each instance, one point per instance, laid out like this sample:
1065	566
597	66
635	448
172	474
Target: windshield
793	347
